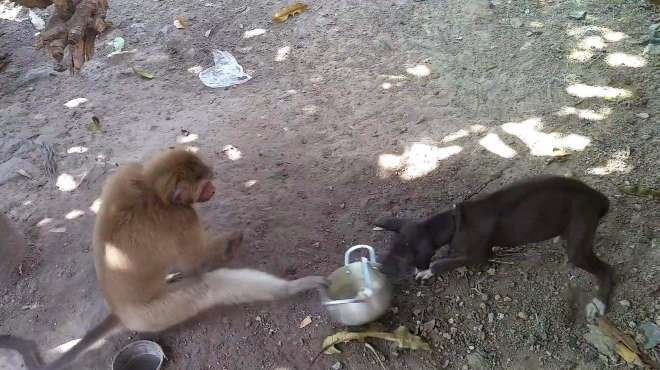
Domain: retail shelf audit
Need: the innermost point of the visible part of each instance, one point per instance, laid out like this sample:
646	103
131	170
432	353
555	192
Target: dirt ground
372	108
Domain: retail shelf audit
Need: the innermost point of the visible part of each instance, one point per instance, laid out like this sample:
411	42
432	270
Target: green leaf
142	73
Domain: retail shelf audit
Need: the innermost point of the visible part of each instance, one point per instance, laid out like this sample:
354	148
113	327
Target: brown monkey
147	226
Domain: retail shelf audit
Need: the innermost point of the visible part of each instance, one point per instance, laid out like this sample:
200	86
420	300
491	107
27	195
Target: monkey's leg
187	298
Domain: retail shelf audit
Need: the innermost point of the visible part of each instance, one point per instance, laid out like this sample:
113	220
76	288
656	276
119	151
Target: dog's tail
605	205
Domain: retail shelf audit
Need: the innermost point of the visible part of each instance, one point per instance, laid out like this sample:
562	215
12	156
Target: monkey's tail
100	331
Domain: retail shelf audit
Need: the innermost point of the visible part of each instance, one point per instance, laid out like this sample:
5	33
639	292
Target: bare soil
315	132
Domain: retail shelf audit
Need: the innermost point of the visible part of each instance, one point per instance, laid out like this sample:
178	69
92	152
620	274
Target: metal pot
358	292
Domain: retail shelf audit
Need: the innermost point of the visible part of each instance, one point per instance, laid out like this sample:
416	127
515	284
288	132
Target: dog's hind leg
579	246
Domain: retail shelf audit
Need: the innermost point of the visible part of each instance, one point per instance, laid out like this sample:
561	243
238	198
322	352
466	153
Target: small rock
625	303
446	335
498	297
306	321
395	310
516	22
336	366
643	115
507	299
632	324
429	325
579	15
522	315
491	271
484	297
258	318
451	321
491	317
500	316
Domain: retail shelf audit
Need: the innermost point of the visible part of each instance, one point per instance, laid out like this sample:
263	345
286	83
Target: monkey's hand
223	249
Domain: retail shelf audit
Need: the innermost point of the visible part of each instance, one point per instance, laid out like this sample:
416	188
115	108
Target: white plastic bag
225	72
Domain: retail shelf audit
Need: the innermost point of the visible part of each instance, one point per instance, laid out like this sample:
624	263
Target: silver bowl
139	355
358	292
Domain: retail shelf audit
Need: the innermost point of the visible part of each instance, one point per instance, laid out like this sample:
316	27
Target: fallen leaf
94	125
142	73
652	333
118	44
401	336
180	22
306	321
628	355
284	13
641	191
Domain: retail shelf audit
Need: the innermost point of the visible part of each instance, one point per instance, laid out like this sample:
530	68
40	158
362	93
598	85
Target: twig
373	350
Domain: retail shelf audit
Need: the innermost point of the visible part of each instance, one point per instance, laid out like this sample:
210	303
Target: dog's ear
391	224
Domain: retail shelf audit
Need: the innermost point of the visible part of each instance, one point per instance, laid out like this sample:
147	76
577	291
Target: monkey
145	227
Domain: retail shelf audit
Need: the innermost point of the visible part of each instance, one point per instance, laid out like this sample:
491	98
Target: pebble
429	325
258	318
446	335
336	366
484	297
395	310
507	299
643	115
500	316
522	315
498	297
491	271
625	303
632	324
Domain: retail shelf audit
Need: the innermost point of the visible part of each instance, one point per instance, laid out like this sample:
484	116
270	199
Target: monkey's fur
146	226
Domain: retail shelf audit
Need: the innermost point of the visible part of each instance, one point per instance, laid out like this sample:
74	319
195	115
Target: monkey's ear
391	224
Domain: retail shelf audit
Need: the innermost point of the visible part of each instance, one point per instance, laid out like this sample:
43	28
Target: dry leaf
628	355
306	321
284	13
180	22
142	73
94	125
401	336
641	191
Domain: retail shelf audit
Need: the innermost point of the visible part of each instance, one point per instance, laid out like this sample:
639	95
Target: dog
527	211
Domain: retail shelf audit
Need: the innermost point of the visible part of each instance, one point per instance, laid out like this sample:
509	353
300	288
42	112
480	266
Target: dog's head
412	246
415	243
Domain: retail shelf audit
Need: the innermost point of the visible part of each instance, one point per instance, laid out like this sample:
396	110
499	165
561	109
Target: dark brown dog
527	211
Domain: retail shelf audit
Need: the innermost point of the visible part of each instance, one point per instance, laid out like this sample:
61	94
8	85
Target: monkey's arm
210	255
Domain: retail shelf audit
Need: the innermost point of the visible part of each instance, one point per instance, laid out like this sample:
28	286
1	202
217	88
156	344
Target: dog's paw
594	310
423	274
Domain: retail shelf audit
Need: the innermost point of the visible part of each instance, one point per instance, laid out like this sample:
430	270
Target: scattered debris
118	44
36	20
641	191
578	15
142	73
306	321
226	71
180	22
609	340
401	336
652	333
291	10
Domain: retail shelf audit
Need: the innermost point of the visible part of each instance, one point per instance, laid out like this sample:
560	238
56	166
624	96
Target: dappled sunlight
73	103
474	129
416	161
605	33
10	11
419	70
66	182
625	60
191	149
616	164
68	345
587	114
592	42
580	56
115	258
605	92
544	144
187	138
232	152
253	33
77	150
96	205
282	53
45	221
495	145
250	183
74	214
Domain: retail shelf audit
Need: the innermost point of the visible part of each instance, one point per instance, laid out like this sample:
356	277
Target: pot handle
347	255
